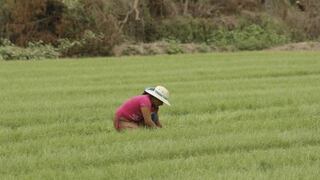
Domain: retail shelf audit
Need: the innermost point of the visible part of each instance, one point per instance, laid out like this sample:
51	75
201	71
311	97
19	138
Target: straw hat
160	93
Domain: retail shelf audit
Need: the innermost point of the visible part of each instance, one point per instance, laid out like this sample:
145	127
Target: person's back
131	109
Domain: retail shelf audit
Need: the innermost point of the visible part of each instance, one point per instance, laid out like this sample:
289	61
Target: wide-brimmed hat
160	93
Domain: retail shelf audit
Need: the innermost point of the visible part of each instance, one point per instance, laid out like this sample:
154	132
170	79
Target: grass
249	115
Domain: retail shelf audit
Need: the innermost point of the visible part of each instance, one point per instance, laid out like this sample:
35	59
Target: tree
133	9
185	8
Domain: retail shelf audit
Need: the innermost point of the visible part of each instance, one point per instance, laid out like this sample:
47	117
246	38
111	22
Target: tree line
95	27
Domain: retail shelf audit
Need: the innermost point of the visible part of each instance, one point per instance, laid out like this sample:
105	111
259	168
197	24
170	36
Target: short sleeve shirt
131	109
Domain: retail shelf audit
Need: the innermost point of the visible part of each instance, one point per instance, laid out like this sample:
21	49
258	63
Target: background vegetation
249	115
112	27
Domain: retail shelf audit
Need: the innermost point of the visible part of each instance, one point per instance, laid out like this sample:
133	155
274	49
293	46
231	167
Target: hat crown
159	92
162	91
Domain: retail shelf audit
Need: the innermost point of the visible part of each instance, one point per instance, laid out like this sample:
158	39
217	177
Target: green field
248	115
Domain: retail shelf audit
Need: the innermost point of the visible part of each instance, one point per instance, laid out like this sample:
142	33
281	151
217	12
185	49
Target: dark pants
154	117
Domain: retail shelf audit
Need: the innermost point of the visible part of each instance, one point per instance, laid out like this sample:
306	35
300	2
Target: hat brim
154	94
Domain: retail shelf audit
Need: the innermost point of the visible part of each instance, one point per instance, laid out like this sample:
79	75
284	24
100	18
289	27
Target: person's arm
155	118
147	117
158	124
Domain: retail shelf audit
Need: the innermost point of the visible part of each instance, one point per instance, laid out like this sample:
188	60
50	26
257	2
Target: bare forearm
158	124
150	124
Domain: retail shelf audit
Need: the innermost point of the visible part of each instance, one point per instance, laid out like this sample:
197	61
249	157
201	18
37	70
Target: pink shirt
131	109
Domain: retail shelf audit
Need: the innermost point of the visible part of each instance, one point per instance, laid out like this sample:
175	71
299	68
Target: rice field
248	115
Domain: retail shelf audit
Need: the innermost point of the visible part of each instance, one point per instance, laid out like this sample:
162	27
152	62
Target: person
142	110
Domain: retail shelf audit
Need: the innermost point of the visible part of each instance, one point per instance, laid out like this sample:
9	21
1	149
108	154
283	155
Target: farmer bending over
141	110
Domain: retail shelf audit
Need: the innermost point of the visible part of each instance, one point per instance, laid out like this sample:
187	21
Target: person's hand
147	117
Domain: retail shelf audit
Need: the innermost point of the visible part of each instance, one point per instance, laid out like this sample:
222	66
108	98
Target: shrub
91	44
186	29
94	31
38	50
252	37
255	38
174	47
50	20
162	47
26	21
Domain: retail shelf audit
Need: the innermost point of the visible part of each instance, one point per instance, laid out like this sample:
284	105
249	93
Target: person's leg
121	123
127	125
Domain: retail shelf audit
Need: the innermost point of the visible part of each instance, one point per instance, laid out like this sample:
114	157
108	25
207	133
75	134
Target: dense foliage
96	27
